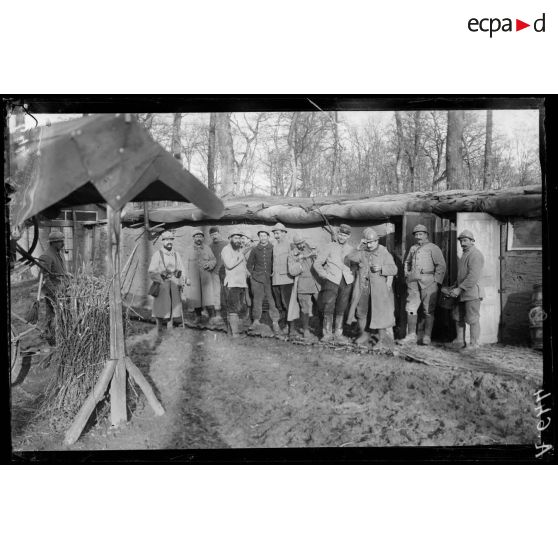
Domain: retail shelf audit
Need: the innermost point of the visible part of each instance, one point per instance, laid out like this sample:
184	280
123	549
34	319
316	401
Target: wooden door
486	230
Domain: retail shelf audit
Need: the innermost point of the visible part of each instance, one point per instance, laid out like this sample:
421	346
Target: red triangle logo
519	25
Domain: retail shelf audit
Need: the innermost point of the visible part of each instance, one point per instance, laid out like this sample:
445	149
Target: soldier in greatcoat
200	262
468	291
167	269
372	300
218	272
306	287
425	268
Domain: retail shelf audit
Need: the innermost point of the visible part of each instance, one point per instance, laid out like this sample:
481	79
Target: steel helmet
167	235
370	234
420	228
55	236
279	227
466	234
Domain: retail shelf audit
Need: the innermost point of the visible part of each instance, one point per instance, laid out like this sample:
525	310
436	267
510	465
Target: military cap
466	234
167	235
279	227
195	232
298	238
370	234
263	230
420	228
345	229
55	236
235	232
213	230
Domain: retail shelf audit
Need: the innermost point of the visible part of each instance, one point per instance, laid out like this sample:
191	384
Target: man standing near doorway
372	301
200	262
167	269
468	291
337	283
282	282
217	273
425	268
54	270
259	267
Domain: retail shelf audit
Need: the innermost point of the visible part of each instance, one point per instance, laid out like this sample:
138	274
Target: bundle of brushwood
82	344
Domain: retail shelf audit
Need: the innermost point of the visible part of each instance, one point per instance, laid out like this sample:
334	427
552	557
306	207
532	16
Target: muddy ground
266	392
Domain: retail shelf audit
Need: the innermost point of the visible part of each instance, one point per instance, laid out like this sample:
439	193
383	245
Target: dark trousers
335	298
259	292
282	295
236	299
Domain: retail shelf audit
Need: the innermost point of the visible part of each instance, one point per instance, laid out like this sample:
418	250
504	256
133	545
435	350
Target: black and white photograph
360	274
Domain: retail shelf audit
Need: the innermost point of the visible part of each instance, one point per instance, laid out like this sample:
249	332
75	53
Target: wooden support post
117	347
139	378
91	402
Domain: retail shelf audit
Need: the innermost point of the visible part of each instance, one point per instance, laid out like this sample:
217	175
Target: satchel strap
163	260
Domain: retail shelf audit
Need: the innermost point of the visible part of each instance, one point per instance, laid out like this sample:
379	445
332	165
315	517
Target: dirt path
265	392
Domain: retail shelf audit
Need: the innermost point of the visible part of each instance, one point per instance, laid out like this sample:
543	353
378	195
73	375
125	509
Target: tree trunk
176	145
291	140
488	163
211	153
336	183
226	152
454	150
399	153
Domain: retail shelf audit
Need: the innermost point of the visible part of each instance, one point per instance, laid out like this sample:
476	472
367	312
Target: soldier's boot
233	324
428	325
276	328
459	341
170	323
292	329
474	337
198	315
327	334
305	319
159	325
385	339
411	336
211	313
255	324
364	336
339	337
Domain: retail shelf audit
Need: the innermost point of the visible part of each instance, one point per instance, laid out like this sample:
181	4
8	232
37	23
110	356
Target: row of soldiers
350	284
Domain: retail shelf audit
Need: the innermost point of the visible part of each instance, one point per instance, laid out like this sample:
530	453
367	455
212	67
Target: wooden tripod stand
114	371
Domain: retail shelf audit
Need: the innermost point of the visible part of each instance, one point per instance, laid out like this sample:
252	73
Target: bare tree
211	153
399	152
454	150
488	163
226	152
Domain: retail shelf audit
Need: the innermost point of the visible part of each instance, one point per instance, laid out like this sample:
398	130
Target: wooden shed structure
507	225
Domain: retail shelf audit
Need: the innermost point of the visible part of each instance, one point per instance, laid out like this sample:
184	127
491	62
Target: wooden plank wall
520	270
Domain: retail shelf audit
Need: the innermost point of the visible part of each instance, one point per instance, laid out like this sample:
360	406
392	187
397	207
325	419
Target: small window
524	234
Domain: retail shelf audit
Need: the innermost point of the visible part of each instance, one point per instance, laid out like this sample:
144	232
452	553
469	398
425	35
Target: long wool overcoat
382	308
169	293
200	291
